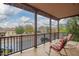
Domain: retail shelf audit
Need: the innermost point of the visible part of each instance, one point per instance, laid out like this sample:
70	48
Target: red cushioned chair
60	45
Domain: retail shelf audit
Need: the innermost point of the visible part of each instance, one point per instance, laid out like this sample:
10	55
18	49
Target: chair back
63	41
69	37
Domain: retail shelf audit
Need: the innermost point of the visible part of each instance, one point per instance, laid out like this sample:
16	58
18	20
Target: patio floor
42	50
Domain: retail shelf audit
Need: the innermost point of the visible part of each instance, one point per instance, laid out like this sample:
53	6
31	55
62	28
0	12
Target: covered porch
35	47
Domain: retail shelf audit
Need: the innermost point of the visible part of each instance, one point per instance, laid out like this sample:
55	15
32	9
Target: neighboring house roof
6	29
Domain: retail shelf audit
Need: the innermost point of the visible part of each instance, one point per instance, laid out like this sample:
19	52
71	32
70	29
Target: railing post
0	47
21	43
44	38
44	35
35	38
54	35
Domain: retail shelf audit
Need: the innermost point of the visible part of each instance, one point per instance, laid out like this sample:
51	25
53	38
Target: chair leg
49	51
60	54
65	52
43	46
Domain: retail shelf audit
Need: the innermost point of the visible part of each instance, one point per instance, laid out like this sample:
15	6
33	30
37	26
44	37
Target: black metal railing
14	44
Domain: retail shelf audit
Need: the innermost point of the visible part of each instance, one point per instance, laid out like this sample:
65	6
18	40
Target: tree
48	29
29	29
19	30
73	27
63	28
42	29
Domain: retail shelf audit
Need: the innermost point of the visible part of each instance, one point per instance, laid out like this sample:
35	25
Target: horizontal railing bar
23	35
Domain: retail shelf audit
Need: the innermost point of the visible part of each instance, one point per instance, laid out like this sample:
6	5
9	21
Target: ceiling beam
70	16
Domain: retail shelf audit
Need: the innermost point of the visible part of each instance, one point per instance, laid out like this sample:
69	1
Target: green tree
63	28
19	30
29	29
73	27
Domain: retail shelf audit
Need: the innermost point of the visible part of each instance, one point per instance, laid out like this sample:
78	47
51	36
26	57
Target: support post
50	28
58	28
35	39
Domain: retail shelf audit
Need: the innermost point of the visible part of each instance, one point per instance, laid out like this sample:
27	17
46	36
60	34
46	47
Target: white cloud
54	22
20	21
3	17
24	19
8	24
6	11
43	21
63	21
2	9
13	25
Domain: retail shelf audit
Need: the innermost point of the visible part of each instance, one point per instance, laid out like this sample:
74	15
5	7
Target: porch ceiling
54	10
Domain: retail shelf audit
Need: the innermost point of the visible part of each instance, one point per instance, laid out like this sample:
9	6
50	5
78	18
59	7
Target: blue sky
11	17
21	14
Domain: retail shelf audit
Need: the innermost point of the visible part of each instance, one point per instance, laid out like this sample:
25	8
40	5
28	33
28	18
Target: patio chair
60	45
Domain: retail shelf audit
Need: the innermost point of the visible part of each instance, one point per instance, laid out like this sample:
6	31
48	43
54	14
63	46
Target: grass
6	51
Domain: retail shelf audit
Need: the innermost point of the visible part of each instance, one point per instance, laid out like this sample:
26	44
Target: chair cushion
59	45
69	37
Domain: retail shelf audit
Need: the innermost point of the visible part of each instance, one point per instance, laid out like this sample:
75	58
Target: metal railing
13	44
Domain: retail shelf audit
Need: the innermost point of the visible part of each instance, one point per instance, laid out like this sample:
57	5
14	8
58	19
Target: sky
12	16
